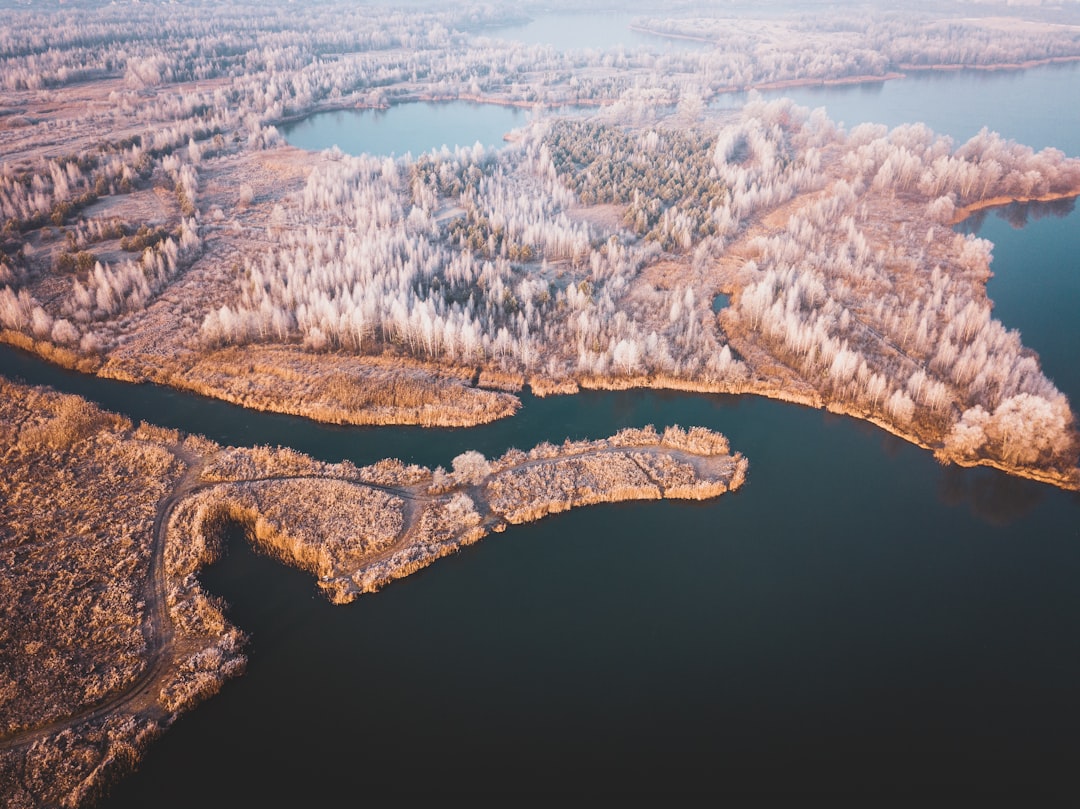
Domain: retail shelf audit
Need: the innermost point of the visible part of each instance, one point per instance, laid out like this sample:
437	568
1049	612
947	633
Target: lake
856	616
411	128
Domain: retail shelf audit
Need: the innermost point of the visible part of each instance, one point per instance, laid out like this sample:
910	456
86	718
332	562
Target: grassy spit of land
107	635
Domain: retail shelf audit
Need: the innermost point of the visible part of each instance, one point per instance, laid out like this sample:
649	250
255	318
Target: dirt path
140	696
166	650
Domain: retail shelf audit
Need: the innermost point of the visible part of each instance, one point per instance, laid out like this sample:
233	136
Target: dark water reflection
996	499
855	615
1019	214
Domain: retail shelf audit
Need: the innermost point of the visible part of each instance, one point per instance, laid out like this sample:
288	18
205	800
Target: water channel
855	615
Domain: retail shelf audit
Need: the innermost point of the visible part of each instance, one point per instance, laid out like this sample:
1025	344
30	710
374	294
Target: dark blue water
857	618
1036	281
854	613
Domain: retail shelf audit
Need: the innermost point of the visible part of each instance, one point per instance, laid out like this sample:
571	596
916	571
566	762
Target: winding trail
140	696
166	648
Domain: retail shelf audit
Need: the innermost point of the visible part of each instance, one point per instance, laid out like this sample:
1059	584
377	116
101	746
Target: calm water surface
1036	283
1030	107
856	617
403	129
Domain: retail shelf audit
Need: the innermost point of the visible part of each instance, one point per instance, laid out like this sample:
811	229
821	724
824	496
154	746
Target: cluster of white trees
475	256
282	58
107	291
29	198
369	258
51	191
906	328
131	285
21	311
1023	429
911	158
772	154
369	261
151	45
360	265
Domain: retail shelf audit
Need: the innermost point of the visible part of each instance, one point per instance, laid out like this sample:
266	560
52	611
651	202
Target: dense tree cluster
908	329
278	59
911	158
864	41
665	179
151	221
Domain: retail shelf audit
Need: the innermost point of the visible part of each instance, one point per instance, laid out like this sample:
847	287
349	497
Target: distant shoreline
1050	60
779	84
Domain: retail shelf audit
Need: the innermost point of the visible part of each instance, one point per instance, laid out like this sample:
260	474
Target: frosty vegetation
156	226
899	328
357	529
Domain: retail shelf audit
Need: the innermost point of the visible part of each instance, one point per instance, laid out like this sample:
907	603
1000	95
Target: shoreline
903	71
212	340
783	84
965	211
1067	482
542	387
1030	63
435	98
778	84
641	29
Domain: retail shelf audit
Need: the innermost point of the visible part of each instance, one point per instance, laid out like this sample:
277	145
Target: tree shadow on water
994	497
1019	214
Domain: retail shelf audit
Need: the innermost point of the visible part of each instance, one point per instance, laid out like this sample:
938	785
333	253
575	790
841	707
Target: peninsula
108	635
